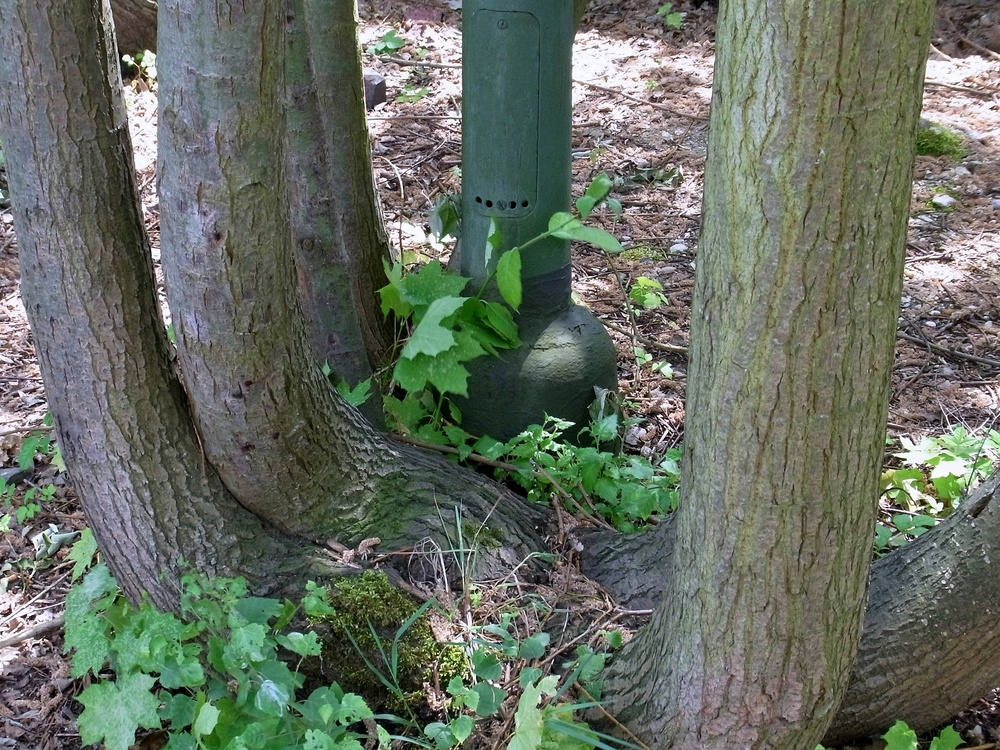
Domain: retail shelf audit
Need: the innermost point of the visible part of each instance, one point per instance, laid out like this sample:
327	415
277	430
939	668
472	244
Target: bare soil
640	114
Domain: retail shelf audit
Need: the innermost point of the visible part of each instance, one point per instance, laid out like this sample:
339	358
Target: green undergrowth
228	671
936	140
901	737
934	474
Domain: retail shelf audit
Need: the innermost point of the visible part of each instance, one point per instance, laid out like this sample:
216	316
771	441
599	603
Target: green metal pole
516	151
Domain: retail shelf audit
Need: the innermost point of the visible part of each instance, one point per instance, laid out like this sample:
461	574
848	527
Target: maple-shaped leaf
431	283
430	337
114	710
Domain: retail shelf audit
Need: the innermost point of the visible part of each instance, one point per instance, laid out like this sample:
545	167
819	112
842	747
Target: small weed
389	43
936	140
672	19
411	94
141	67
936	474
647	293
901	737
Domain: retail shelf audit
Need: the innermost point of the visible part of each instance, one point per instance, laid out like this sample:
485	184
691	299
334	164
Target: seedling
672	19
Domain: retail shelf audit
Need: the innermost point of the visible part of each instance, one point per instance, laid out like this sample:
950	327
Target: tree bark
339	235
88	287
283	441
135	25
931	643
793	325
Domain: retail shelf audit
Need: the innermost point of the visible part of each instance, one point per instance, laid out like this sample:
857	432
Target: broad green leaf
584	205
430	337
208	717
430	282
82	553
486	665
114	710
533	647
490	698
529	722
352	709
949	739
86	633
900	737
509	277
391	295
303	644
562	221
461	728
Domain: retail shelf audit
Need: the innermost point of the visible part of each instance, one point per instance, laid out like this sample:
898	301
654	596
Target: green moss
372	611
935	140
482	537
643	251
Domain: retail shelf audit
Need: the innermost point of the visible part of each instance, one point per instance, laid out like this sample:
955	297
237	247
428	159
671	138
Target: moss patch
935	140
370	613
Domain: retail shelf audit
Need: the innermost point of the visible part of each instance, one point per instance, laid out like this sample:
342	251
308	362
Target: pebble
679	247
943	200
996	204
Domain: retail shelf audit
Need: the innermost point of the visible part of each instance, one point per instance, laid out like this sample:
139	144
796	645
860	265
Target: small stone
374	90
679	247
996	204
943	200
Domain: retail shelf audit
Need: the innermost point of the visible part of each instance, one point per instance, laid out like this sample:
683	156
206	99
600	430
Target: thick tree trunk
135	25
793	325
285	444
87	281
931	643
339	235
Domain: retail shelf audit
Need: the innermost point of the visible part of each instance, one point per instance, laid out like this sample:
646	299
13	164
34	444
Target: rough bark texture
87	282
793	325
338	232
931	643
135	25
285	444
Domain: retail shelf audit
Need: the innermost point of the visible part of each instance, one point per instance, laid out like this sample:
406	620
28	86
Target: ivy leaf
82	553
490	698
114	710
500	320
303	644
900	737
430	283
509	277
443	372
949	739
529	722
430	337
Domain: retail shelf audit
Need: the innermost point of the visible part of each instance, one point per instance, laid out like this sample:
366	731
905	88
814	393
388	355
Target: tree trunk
793	325
135	25
339	235
931	643
88	286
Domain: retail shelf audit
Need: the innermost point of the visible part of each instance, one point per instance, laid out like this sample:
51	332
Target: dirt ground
641	103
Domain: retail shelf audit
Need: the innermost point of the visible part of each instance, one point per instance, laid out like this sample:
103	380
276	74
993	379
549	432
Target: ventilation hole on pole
479	199
489	204
524	204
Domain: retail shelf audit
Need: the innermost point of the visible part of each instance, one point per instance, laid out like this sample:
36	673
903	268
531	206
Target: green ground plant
224	673
901	737
935	474
936	140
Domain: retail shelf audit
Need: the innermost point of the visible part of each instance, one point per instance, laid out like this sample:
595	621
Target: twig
980	48
421	63
636	99
417	117
985	91
46	627
673	348
22	430
948	352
